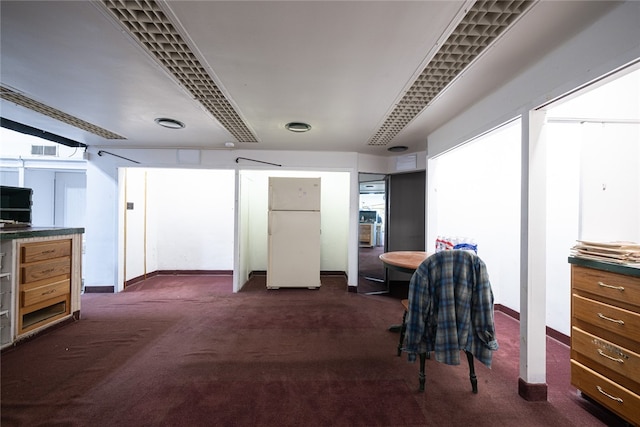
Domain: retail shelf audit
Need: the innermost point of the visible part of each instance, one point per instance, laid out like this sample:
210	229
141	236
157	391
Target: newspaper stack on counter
627	253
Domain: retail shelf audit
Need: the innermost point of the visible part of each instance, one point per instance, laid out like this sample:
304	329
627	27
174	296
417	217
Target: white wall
611	42
474	192
136	225
610	203
70	199
592	189
10	177
193	209
242	261
592	193
182	219
42	181
563	208
101	230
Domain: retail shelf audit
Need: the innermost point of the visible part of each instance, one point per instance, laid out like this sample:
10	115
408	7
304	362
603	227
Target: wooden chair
453	292
424	356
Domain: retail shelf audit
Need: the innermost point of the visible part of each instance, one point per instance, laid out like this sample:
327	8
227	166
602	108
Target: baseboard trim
98	289
333	273
506	310
532	392
559	336
257	273
111	289
177	273
193	272
552	333
322	273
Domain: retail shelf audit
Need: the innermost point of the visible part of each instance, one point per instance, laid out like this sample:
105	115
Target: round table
405	261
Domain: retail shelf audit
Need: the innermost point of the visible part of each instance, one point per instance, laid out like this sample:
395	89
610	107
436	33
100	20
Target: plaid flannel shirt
451	309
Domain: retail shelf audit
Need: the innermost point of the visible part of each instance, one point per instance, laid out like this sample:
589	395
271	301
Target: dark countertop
23	233
606	266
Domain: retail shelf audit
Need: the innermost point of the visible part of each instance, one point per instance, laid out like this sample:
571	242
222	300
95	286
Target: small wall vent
44	150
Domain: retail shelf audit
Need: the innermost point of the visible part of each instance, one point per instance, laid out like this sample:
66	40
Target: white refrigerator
294	233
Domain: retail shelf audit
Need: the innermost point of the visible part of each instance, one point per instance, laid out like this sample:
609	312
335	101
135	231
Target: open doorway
175	220
371	232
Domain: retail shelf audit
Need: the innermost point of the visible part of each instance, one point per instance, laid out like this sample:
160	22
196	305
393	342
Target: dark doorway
372	231
405	220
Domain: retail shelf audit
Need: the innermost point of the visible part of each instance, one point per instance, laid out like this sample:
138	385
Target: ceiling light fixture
298	127
169	123
398	148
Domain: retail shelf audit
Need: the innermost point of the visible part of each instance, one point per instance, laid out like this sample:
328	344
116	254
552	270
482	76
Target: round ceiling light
298	127
398	148
169	123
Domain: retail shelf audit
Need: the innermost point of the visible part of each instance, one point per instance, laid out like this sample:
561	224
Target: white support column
532	382
21	174
431	217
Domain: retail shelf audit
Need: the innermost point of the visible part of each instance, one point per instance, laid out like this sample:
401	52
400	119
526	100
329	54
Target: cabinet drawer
617	287
43	313
44	270
31	252
606	353
45	292
614	319
620	400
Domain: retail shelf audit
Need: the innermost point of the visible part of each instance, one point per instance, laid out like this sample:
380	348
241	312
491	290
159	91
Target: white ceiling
340	66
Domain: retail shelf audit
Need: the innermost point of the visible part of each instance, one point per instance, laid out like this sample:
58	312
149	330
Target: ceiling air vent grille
24	101
150	26
482	24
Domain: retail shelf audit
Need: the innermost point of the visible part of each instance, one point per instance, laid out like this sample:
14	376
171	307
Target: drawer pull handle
617	288
615	359
602	316
617	399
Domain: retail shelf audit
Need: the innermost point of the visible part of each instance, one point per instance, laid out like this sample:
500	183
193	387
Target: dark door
405	216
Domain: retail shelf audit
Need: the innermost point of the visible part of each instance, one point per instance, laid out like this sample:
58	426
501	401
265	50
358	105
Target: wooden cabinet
6	299
44	283
367	234
41	280
605	335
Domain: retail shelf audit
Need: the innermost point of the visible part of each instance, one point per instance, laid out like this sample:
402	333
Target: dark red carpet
186	351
